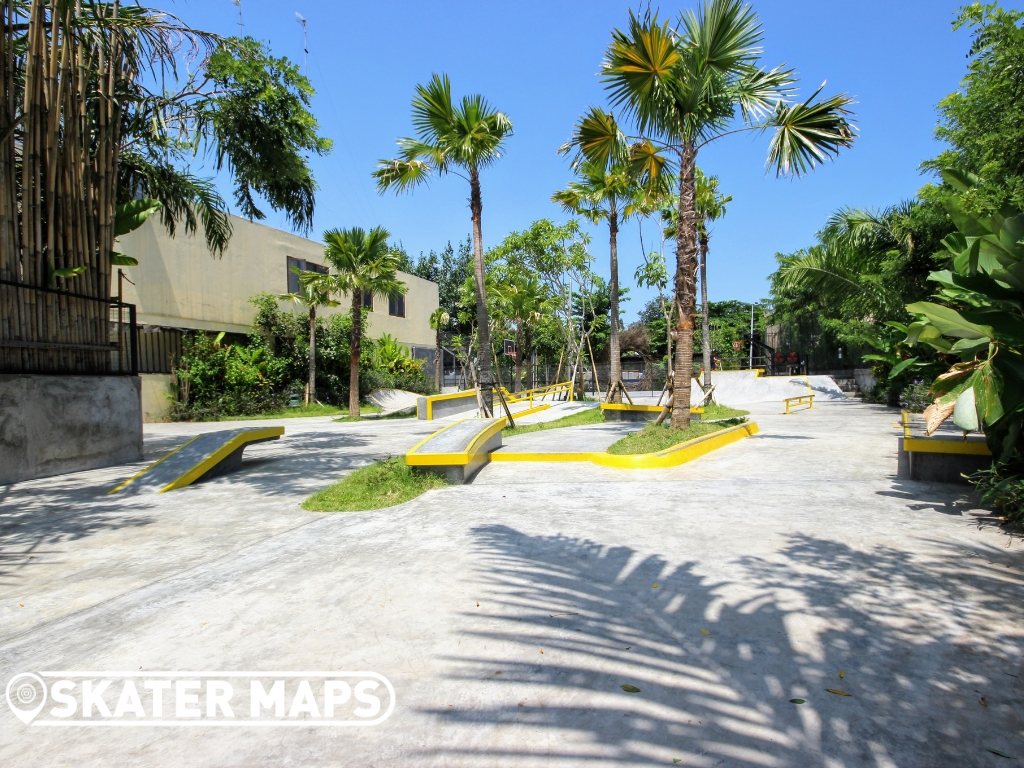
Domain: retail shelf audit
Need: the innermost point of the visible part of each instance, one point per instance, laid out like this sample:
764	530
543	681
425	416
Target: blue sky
537	61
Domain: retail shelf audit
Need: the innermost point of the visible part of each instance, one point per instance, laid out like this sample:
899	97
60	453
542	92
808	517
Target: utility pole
751	365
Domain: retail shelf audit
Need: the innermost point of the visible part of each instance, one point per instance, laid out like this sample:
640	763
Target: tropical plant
315	290
610	191
683	88
654	274
469	136
363	264
978	316
522	299
439	318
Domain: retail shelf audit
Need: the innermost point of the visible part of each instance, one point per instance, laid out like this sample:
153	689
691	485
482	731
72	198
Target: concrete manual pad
509	614
586	438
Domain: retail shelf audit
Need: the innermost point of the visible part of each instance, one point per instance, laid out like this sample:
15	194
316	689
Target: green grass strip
382	484
658	437
314	409
589	416
716	411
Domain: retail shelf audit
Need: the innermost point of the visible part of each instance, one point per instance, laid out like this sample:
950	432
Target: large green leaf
131	215
950	322
988	387
120	260
901	366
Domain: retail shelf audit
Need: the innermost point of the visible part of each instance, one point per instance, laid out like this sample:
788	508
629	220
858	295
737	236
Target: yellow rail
793	402
540	393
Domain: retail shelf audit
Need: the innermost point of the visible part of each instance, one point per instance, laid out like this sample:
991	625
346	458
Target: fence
43	330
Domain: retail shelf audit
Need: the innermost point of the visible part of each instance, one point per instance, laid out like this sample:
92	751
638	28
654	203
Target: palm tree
438	320
364	265
468	136
609	191
710	206
315	290
683	88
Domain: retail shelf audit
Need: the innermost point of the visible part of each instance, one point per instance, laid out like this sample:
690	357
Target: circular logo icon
26	696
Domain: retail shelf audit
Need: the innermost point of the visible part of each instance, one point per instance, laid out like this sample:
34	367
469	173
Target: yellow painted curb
677	454
932	445
670	457
640	408
537	409
500	456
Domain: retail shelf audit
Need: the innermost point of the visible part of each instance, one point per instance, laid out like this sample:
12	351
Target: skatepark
509	612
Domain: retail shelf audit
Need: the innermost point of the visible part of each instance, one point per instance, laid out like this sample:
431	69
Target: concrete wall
50	425
179	284
155	404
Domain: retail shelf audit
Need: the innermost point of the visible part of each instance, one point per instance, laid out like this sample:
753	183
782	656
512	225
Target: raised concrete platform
207	455
943	457
458	451
638	412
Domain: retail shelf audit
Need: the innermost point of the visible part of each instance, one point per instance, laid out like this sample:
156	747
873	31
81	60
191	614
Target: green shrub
915	396
1002	487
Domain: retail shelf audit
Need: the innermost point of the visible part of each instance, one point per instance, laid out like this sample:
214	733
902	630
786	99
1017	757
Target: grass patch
314	409
716	411
589	416
382	484
658	437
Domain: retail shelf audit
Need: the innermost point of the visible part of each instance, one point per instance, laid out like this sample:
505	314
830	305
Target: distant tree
439	318
315	290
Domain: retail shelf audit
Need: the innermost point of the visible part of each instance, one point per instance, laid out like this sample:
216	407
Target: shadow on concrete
920	640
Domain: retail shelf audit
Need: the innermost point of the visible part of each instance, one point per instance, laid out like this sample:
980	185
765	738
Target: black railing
43	330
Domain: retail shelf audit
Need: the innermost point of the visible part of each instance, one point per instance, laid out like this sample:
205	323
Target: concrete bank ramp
742	387
393	400
458	451
204	456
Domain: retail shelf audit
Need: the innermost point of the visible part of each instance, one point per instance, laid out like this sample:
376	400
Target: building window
396	306
368	301
303	266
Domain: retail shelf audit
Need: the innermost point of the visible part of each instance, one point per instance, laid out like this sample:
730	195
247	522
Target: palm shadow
718	659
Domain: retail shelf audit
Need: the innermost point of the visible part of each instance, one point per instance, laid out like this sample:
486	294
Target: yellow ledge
670	457
528	411
926	445
414	459
640	408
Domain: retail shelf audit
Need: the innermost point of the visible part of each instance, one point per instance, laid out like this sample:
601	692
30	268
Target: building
179	286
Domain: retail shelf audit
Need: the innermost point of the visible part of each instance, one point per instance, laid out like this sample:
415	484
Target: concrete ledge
939	460
51	425
438	406
458	451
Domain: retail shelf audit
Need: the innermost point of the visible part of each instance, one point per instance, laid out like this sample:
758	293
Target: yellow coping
670	457
535	409
639	408
933	445
210	461
414	459
453	396
905	418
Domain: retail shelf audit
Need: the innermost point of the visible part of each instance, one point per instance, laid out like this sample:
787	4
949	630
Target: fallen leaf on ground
655	586
797	701
677	760
704	632
629	688
983	702
1001	754
837	692
21	604
542	650
842	674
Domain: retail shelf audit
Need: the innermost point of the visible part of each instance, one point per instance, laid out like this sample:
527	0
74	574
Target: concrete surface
156	403
743	387
51	425
508	613
393	400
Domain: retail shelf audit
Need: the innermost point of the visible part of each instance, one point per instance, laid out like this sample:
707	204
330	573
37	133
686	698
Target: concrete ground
508	613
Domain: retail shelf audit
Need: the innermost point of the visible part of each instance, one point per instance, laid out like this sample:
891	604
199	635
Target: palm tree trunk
615	374
705	321
311	387
486	380
355	349
437	358
686	263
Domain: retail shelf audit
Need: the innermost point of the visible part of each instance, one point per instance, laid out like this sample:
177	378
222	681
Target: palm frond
807	134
